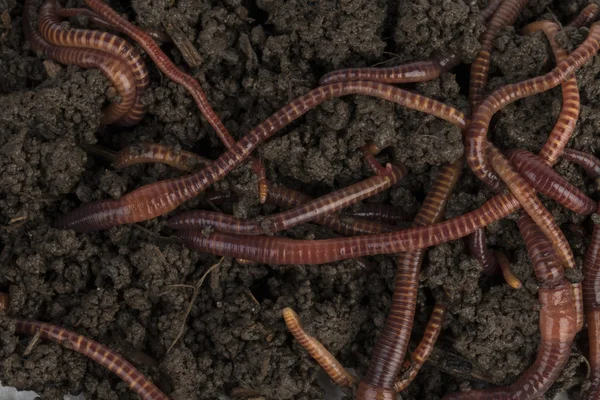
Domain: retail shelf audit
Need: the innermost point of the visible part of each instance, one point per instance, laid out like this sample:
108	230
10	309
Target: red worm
545	180
478	248
326	360
141	153
563	130
391	345
491	8
263	185
591	304
110	66
577	292
104	356
505	15
425	347
384	212
161	197
307	212
509	277
420	71
587	15
588	162
532	205
51	29
557	324
475	138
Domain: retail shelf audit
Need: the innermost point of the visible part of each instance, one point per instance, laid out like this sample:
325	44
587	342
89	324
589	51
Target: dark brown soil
114	286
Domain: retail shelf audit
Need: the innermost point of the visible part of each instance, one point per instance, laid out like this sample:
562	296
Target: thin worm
326	360
263	185
565	125
51	29
588	162
307	212
587	15
141	153
509	277
420	71
577	292
110	66
532	205
557	323
161	197
384	212
506	14
491	8
391	345
424	348
591	305
479	250
545	180
476	135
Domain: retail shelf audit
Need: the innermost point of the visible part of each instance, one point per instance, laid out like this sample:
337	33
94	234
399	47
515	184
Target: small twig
34	341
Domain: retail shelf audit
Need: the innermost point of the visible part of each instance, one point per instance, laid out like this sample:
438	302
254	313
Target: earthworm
424	348
532	205
509	277
587	15
591	304
479	250
326	360
161	197
391	345
307	212
557	323
384	212
419	71
491	8
110	66
51	29
565	125
545	180
263	185
104	356
506	14
141	153
587	161
577	292
475	138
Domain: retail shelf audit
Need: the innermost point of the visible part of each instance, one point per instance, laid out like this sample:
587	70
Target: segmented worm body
111	67
490	9
384	212
588	162
325	359
532	205
509	277
424	348
545	180
585	17
478	248
577	292
558	321
141	153
475	138
51	29
307	212
506	14
156	199
391	345
591	305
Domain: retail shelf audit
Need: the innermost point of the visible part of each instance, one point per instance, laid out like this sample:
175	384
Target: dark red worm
585	17
51	29
476	135
111	67
557	323
420	71
545	180
307	212
564	127
142	153
479	250
588	162
263	184
159	198
532	205
104	356
491	8
384	212
509	277
502	15
390	348
424	348
591	305
577	292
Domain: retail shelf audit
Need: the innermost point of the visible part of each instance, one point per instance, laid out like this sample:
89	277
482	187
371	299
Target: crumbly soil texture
129	287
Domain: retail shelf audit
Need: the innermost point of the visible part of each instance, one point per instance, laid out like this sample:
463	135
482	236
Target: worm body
509	277
585	17
591	305
545	180
141	153
479	249
384	212
588	162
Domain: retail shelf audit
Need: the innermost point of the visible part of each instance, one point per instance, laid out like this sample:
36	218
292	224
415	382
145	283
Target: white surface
10	393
